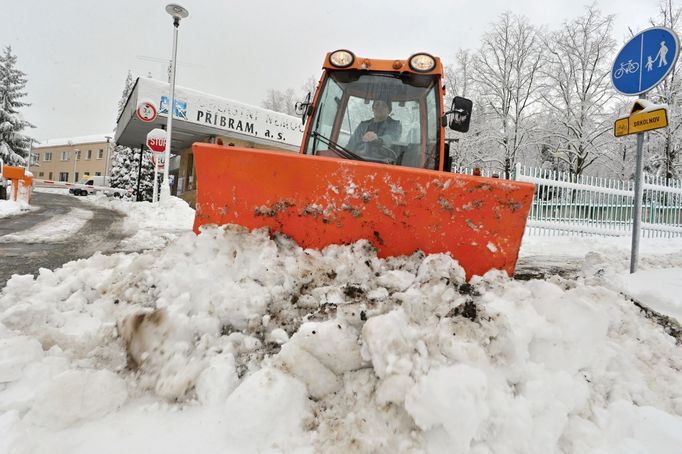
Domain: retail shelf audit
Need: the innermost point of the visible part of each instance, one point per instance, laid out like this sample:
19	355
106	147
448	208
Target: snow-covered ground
11	208
232	341
151	226
52	230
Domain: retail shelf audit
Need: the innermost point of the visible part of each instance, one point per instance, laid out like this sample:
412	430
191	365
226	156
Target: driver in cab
373	138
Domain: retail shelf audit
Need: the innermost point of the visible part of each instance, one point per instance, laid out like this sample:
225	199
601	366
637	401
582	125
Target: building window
65	157
100	154
63	176
89	155
98	174
41	174
35	158
78	155
49	176
48	156
76	179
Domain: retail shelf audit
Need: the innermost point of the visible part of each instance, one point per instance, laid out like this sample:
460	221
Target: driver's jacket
388	131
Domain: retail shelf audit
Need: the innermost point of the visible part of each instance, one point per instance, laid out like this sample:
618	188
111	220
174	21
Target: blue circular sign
645	61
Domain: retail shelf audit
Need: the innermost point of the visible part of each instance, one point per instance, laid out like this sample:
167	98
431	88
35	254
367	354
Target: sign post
640	65
156	141
155	191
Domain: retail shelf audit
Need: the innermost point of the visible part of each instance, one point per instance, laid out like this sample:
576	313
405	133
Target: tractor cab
382	111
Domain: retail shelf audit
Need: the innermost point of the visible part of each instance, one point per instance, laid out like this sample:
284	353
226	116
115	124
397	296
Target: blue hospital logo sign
180	110
645	61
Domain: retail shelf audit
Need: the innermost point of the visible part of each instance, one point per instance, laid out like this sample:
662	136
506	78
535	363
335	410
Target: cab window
346	111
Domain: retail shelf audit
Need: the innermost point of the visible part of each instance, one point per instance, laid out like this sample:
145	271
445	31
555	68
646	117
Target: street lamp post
76	153
106	164
30	155
177	12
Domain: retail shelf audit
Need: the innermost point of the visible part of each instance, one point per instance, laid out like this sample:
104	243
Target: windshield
380	117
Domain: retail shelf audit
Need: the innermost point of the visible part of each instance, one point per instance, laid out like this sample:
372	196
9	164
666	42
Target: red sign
161	159
146	111
156	140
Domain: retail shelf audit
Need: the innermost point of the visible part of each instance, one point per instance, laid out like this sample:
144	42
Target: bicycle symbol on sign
626	68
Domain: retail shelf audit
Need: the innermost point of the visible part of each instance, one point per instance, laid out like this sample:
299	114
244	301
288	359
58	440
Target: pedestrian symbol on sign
661	55
645	61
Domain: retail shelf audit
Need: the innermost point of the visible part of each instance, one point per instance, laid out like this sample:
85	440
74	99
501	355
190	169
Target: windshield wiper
338	149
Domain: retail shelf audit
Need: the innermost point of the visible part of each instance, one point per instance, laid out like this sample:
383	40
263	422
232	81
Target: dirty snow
252	344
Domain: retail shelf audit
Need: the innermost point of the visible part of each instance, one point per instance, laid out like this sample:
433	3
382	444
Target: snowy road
63	229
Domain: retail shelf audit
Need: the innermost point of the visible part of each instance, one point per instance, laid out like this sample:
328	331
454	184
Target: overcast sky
77	52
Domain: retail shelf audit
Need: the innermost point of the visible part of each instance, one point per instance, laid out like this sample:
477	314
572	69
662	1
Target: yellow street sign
620	127
641	122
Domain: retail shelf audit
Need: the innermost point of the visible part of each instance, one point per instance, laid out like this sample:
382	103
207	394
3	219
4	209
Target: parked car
97	181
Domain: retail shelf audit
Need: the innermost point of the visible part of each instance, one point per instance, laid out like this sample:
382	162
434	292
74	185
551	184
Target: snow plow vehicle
374	165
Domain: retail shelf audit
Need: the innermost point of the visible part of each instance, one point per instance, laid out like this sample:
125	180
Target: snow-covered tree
666	151
578	89
457	77
14	144
284	101
476	148
506	71
280	101
309	87
128	87
125	167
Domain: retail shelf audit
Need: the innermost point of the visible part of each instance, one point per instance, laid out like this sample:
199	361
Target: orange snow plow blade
319	201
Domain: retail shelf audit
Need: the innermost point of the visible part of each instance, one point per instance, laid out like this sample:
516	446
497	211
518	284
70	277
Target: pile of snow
232	341
12	208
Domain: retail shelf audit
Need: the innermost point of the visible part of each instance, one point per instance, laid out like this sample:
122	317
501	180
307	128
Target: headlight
422	63
342	58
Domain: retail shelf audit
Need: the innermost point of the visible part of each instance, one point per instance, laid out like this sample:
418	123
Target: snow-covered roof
74	140
199	115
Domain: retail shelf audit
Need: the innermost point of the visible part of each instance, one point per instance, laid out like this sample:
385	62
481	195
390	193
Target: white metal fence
568	205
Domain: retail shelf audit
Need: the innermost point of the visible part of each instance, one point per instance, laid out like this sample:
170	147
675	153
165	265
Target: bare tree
466	150
506	70
309	87
285	100
578	91
666	156
280	101
458	77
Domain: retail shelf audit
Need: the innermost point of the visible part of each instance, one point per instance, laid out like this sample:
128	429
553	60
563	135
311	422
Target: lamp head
177	11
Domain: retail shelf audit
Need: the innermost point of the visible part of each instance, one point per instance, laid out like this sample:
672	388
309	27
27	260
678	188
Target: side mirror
304	108
461	114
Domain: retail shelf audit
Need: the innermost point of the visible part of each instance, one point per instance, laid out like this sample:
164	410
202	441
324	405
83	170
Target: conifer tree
126	92
14	145
124	171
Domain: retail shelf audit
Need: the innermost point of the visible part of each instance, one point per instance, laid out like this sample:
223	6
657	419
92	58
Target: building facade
201	117
70	160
